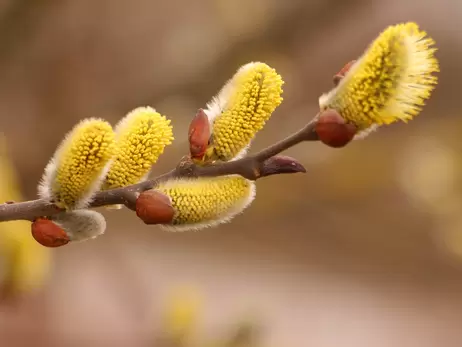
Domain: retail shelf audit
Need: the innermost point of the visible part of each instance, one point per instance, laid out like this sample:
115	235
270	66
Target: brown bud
199	134
153	207
332	129
48	233
339	75
280	164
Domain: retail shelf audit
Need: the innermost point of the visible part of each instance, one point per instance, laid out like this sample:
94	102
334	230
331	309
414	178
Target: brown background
363	250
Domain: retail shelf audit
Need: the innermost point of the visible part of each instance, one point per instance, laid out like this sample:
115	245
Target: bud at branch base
199	135
153	207
332	129
48	233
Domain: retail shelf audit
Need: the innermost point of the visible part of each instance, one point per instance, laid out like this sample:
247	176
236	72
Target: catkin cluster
94	156
236	115
388	83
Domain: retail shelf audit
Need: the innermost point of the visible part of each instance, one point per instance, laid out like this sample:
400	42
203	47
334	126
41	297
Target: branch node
186	167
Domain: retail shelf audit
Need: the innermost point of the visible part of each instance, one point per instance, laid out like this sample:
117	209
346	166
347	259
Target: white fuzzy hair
219	102
81	225
366	132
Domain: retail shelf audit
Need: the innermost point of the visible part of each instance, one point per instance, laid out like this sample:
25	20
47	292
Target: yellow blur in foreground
24	264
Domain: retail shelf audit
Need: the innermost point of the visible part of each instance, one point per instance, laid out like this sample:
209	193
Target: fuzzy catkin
242	108
141	137
207	201
390	82
79	165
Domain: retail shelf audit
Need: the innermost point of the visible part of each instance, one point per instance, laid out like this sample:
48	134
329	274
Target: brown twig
252	167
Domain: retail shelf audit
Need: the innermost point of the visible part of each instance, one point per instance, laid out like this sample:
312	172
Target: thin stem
307	133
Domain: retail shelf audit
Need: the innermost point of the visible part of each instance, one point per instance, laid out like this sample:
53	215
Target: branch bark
262	164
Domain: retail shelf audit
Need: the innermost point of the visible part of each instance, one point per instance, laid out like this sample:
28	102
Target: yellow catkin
79	165
390	82
207	201
141	137
242	108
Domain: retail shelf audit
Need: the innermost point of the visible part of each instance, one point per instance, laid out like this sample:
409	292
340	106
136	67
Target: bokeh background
365	249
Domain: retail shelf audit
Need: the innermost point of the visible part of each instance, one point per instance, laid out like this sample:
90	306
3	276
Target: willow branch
251	166
262	164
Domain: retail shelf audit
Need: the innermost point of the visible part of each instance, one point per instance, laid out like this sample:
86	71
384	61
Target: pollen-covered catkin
79	165
390	82
242	108
207	201
141	137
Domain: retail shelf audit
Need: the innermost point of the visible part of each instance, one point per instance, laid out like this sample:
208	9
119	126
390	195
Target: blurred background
363	250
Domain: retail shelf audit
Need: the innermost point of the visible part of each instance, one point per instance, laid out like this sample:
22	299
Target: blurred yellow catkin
181	316
24	263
